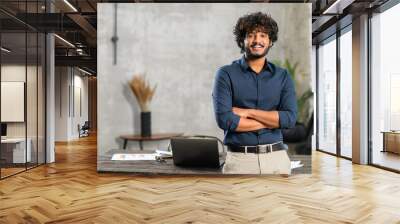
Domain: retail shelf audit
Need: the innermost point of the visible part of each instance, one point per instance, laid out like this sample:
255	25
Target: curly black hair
251	22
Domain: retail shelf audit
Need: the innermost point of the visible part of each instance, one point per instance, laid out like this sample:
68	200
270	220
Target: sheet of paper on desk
295	164
133	157
163	153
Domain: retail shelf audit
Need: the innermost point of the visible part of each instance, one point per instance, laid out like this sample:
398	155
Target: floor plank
71	191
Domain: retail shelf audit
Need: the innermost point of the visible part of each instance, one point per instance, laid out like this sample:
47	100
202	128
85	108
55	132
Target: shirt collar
245	66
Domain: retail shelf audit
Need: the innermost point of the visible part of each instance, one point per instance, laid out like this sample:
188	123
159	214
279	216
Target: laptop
3	131
197	152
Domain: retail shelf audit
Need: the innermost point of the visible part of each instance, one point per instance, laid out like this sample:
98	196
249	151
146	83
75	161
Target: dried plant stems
142	91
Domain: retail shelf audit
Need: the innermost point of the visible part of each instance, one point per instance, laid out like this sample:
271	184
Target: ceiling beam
86	26
337	7
84	61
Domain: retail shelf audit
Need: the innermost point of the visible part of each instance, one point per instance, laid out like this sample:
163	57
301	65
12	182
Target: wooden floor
10	171
71	191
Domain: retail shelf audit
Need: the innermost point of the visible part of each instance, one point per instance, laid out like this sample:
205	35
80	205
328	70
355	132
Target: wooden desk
105	164
141	139
15	148
391	141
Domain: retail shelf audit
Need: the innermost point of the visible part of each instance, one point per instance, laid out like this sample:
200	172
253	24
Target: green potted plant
299	137
304	98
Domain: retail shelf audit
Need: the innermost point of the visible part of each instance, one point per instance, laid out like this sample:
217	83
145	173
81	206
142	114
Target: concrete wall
179	47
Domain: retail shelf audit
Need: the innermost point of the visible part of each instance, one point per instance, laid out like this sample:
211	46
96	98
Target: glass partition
346	94
385	85
22	90
15	151
327	96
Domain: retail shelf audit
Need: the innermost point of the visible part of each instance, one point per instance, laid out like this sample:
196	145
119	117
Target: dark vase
145	124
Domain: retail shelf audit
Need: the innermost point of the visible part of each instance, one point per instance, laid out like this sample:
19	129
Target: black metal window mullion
45	94
369	89
26	86
44	71
37	91
338	92
317	97
73	91
69	92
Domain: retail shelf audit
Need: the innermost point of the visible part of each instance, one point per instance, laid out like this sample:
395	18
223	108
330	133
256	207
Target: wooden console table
154	137
391	141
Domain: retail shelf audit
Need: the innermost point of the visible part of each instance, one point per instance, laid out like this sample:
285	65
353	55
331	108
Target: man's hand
246	125
241	112
268	119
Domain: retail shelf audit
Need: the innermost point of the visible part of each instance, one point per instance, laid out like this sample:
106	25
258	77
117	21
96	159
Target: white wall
33	127
79	117
16	73
61	103
70	83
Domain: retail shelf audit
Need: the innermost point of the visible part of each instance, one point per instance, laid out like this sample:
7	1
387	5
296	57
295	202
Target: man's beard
251	56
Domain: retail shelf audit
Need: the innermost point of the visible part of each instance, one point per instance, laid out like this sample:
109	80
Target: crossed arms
253	119
230	118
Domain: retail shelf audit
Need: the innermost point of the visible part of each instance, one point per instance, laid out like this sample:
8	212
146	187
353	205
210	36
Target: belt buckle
267	148
262	148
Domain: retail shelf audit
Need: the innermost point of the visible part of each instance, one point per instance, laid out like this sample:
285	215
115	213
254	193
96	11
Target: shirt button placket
258	103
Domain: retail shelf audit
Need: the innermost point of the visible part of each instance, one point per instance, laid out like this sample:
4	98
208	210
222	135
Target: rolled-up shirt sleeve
288	104
222	101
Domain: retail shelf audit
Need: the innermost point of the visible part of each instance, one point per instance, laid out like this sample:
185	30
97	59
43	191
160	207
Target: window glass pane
346	94
22	88
31	96
386	89
15	150
327	97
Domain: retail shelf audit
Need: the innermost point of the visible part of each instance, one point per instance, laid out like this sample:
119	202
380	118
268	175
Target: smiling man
253	98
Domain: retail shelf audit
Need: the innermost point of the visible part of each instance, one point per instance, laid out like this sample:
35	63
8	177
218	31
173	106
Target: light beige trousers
277	162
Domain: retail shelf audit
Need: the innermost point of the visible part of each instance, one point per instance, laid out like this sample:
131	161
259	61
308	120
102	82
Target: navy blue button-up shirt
237	85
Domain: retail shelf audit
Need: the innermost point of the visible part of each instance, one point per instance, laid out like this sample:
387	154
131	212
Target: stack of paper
164	154
295	164
133	157
143	156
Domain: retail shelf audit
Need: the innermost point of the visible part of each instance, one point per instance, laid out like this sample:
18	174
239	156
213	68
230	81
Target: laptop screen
196	152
